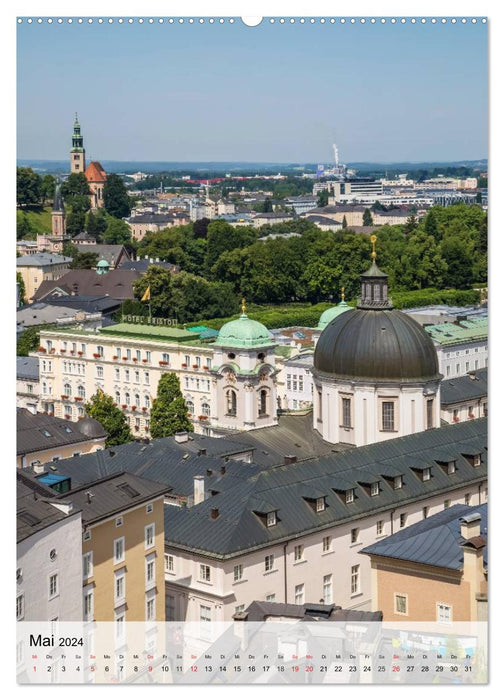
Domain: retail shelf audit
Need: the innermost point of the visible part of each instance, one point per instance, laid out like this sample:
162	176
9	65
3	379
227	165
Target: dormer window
451	467
320	505
271	519
426	474
349	496
375	488
397	482
477	461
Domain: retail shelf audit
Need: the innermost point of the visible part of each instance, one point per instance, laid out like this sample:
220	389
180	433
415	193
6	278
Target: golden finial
244	306
342	293
373	241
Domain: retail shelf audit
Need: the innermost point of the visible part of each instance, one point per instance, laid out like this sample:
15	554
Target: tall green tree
102	408
411	225
323	198
21	288
344	223
28	187
24	230
28	341
367	219
96	224
222	236
47	187
117	232
115	197
169	410
159	280
430	225
75	184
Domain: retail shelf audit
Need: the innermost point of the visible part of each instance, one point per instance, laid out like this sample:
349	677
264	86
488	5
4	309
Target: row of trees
32	189
447	249
168	414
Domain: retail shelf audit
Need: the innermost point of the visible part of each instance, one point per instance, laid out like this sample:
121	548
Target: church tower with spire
77	152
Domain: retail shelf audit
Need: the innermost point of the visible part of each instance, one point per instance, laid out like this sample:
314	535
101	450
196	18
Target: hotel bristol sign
149	320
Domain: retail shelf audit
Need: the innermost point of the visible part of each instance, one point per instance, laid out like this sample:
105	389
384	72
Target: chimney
214	513
181	436
202	451
38	468
199	489
290	459
470	526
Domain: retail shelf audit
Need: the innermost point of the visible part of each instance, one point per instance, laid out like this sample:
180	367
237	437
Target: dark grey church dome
381	344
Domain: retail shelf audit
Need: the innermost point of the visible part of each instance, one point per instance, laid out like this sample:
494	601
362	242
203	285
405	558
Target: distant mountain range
117	166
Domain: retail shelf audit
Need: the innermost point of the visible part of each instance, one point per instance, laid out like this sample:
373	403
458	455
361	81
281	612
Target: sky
274	93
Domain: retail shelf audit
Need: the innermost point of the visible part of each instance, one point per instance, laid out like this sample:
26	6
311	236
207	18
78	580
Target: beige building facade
39	267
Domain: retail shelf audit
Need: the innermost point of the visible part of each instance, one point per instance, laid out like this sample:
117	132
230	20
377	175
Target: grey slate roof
435	541
110	253
34	513
238	529
38	431
294	435
27	368
41	313
41	260
470	386
118	284
161	460
105	497
259	610
88	303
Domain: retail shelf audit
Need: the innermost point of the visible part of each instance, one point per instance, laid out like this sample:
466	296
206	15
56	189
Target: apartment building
461	346
42	438
465	398
413	579
49	563
293	534
27	383
227	384
41	267
122	548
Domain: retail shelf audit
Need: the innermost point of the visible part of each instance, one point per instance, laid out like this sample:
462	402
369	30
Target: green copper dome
243	332
332	313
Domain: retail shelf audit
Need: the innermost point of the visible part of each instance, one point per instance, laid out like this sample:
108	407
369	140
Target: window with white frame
388	416
327	589
99	371
346	412
451	467
271	597
204	573
355	579
20	606
354	535
120	619
147	401
205	613
146	378
397	482
477	460
170	608
379	528
150	570
119	550
269	560
88	604
53	585
298	552
169	562
444	612
426	474
271	519
375	488
349	496
238	572
87	565
239	609
166	358
326	543
402	519
150	608
299	594
119	587
320	504
401	604
149	536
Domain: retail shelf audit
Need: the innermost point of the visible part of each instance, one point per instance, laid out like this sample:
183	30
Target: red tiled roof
95	172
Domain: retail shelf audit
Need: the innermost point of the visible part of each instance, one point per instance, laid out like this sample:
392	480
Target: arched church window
231	402
263	402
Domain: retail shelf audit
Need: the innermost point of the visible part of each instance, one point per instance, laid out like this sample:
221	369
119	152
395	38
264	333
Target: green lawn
39	221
